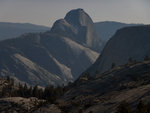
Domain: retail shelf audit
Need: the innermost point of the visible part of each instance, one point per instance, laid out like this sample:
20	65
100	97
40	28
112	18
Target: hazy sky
45	12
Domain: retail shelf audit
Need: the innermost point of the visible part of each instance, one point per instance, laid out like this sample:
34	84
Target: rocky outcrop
78	26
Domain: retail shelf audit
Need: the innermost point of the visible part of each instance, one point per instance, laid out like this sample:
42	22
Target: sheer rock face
78	26
129	42
46	58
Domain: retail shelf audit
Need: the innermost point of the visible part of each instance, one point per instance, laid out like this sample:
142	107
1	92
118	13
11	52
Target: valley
76	66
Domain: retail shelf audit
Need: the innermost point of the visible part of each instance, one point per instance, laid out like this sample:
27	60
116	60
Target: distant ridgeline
11	30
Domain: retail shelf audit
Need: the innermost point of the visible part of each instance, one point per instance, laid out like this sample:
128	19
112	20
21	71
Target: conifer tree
35	91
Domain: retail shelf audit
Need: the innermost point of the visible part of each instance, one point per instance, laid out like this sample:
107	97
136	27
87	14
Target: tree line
49	93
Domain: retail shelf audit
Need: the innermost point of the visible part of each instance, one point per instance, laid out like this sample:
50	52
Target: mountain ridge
37	57
116	50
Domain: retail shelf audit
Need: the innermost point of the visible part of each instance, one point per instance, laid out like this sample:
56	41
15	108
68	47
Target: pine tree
58	91
30	92
40	92
49	94
21	91
35	91
25	90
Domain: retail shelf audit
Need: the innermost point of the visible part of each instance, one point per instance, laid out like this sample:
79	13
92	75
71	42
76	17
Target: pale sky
46	12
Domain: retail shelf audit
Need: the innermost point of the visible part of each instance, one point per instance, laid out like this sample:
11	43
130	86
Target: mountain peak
77	17
77	10
78	26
